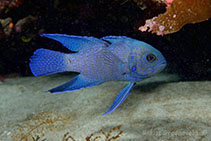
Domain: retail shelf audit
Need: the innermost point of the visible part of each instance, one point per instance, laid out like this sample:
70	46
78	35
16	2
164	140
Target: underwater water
171	105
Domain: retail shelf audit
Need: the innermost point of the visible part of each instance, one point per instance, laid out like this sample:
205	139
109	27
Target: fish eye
151	57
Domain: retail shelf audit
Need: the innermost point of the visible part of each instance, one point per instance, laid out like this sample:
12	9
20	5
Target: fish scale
111	58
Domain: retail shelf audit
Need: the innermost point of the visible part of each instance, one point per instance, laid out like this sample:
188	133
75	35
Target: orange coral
179	13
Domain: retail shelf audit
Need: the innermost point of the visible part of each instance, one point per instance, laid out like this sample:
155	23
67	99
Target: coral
37	138
106	136
178	14
22	22
141	4
36	127
102	135
144	4
6	27
39	124
66	137
6	5
168	2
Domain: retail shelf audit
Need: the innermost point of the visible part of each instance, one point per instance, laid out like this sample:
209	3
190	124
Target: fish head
145	61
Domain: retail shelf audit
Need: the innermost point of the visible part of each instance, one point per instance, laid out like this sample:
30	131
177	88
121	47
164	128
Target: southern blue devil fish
111	58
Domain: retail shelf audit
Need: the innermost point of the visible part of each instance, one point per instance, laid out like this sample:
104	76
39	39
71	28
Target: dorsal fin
114	39
76	43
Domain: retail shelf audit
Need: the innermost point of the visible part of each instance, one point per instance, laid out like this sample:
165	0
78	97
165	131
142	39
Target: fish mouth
162	64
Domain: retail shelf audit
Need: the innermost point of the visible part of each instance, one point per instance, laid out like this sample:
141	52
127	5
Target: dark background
187	51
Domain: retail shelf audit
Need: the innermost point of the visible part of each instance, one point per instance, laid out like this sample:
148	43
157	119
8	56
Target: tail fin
45	62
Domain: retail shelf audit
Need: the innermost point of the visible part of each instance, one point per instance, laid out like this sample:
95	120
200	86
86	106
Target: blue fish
111	58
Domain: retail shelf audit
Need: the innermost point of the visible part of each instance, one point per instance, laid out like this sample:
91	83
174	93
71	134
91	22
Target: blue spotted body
111	58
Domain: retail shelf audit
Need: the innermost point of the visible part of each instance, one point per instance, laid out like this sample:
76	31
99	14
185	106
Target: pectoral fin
78	82
121	97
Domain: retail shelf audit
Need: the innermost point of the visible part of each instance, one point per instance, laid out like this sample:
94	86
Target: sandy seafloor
158	109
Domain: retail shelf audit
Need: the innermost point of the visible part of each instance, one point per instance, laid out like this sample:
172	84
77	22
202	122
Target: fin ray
121	97
45	62
76	43
109	58
114	39
78	82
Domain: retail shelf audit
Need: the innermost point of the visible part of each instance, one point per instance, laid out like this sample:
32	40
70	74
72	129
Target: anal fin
78	82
